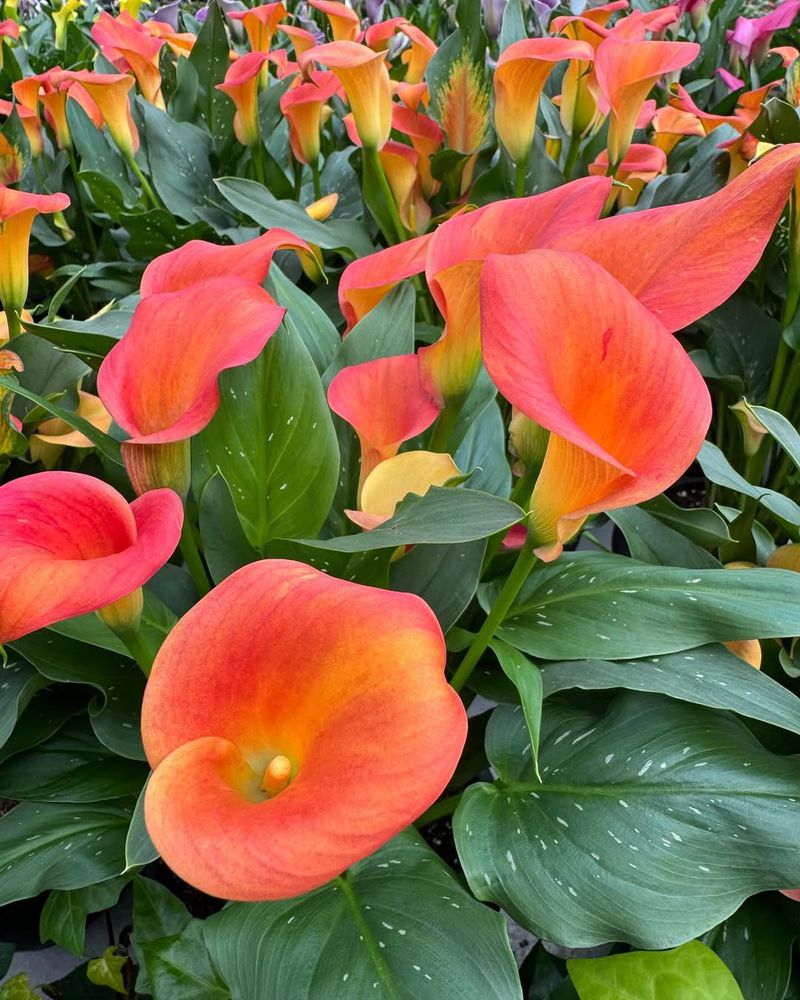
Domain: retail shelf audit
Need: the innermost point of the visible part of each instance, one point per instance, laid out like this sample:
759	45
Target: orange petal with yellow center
391	481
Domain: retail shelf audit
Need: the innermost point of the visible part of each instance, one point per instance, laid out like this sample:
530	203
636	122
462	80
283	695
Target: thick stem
259	167
12	318
147	189
572	156
444	425
139	650
521	175
315	180
526	560
386	194
193	560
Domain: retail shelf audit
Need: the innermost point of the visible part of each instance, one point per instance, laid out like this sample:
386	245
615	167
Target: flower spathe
260	23
18	209
271	783
242	84
391	481
70	544
626	409
110	92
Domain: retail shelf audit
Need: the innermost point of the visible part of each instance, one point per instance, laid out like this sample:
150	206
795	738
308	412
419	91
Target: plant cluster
399	532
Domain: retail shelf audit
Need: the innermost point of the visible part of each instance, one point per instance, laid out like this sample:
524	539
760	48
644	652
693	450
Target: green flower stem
444	425
520	495
14	326
386	194
138	648
193	560
84	214
259	165
147	190
521	175
315	180
572	156
526	560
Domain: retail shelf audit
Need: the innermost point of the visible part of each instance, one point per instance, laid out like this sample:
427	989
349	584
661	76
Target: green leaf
691	972
107	970
396	926
139	848
756	945
63	919
180	966
717	468
157	915
311	322
443	516
710	676
70	767
446	578
225	546
273	441
256	202
781	429
651	541
527	679
655	821
483	449
210	57
105	445
18	988
60	846
178	156
590	604
19	682
99	158
115	715
702	526
47	370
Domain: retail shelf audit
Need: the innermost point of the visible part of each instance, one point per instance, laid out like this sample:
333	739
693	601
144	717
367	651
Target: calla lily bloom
626	409
751	37
640	165
344	22
302	40
66	13
626	72
670	125
385	403
521	73
18	209
70	544
198	261
128	46
785	557
417	56
30	123
260	23
242	84
303	107
270	785
426	138
110	93
682	261
8	29
54	435
365	78
189	338
392	480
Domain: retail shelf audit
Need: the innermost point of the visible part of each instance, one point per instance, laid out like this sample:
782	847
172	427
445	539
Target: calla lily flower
670	125
640	165
110	93
302	40
626	71
70	544
392	480
385	403
242	84
426	138
303	106
365	78
521	73
260	23
186	338
417	56
682	261
751	37
8	29
52	436
344	22
198	261
128	46
270	784
18	209
30	123
626	409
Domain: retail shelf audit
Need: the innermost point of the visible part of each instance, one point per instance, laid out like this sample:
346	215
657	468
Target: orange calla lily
198	261
70	544
682	261
384	402
426	138
52	436
417	56
671	124
392	480
365	78
344	22
260	23
30	123
640	165
242	84
521	73
302	106
270	784
626	409
129	46
302	40
626	72
110	92
18	209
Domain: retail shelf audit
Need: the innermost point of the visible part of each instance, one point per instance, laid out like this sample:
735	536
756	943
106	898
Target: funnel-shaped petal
110	93
316	739
260	23
392	480
522	71
344	22
626	72
18	209
682	261
242	84
198	260
627	410
160	380
384	402
365	78
302	107
70	544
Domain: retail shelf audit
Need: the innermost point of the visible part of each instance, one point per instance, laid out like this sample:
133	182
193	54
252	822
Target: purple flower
751	37
374	10
493	11
169	14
